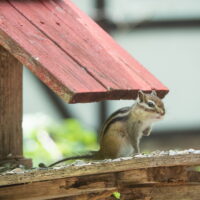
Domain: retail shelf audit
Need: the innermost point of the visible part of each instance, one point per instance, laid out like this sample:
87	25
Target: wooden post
11	148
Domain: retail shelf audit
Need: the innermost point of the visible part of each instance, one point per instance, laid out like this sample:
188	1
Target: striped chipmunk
121	133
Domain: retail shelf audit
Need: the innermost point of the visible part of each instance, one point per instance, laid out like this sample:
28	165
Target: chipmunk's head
151	104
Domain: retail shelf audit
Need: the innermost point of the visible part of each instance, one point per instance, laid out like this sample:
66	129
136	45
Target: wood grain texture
11	148
129	65
99	168
175	182
66	35
163	192
105	195
37	49
10	106
60	188
71	53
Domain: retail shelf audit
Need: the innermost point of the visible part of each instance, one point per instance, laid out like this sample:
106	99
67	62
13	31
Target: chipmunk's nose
162	112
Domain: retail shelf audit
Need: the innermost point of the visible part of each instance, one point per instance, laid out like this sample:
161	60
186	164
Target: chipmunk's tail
87	156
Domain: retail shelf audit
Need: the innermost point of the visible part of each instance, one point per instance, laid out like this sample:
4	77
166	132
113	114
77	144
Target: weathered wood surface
60	188
156	183
163	192
157	176
11	109
70	53
107	195
100	168
10	106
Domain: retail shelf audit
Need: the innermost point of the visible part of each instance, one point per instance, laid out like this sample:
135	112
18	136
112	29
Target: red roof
70	53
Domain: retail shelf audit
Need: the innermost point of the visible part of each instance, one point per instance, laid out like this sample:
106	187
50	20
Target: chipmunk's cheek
154	116
160	117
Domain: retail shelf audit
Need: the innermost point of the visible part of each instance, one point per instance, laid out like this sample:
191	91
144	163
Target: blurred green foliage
52	141
116	195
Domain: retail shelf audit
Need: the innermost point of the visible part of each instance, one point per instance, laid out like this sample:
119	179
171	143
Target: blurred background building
162	35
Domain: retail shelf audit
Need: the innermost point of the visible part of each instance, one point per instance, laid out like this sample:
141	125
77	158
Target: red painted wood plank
42	53
66	41
110	45
112	77
77	59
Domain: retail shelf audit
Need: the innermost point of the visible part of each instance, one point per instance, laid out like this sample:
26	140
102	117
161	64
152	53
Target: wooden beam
106	195
163	192
139	184
66	187
11	149
149	161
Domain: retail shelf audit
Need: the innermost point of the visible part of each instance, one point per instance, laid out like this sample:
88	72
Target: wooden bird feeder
67	51
81	63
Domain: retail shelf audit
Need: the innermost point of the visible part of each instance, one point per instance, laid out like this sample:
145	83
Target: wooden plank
10	106
159	175
106	195
37	52
52	191
162	192
73	32
103	185
11	110
100	167
60	188
131	65
71	41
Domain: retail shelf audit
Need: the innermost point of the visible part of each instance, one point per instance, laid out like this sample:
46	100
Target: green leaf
116	195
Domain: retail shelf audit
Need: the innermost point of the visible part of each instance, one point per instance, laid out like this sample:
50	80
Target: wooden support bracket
11	148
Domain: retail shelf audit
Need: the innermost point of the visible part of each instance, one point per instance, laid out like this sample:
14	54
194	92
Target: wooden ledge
180	158
159	176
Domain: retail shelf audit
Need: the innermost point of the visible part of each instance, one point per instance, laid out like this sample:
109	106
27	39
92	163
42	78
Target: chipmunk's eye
151	104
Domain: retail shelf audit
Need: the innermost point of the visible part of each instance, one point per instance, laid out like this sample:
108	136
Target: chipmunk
121	133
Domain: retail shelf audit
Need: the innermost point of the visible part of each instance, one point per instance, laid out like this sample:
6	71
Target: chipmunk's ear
154	93
141	96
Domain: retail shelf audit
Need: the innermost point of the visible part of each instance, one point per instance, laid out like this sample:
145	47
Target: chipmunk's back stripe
122	118
119	115
120	111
